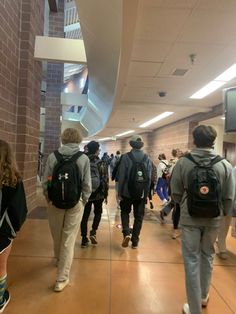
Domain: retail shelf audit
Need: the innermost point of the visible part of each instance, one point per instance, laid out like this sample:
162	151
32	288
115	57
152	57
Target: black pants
126	207
176	216
97	216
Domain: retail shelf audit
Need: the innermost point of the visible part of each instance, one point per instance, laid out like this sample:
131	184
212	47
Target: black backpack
138	178
116	168
64	189
204	190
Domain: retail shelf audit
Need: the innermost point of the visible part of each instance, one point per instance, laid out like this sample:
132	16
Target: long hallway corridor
109	279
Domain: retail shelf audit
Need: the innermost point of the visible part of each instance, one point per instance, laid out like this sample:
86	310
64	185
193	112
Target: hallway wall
20	80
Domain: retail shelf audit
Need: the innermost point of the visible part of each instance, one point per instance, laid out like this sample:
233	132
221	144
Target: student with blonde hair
67	187
12	215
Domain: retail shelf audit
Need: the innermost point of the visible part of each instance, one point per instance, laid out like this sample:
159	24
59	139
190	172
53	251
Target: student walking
12	214
133	186
100	186
67	187
202	183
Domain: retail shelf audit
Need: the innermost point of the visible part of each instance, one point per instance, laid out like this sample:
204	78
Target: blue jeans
198	254
162	189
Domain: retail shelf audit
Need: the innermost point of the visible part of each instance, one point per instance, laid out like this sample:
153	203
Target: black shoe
6	299
84	242
134	244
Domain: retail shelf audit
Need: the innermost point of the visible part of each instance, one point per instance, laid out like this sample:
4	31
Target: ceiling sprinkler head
192	57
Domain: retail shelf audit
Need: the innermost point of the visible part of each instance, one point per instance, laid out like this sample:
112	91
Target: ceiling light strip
156	119
125	133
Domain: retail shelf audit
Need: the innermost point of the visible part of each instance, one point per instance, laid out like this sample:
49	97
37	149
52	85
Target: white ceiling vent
179	72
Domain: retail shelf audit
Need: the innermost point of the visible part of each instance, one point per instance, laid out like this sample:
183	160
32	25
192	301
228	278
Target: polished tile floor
109	279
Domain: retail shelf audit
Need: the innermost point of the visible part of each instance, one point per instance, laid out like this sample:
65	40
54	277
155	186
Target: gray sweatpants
64	226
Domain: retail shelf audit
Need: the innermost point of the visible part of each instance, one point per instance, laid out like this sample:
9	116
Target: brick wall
164	139
54	80
20	79
9	56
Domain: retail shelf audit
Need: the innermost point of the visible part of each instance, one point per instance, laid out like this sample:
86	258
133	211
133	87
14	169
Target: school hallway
109	279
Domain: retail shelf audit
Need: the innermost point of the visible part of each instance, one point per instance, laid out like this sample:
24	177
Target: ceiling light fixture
207	89
104	139
157	118
219	81
125	133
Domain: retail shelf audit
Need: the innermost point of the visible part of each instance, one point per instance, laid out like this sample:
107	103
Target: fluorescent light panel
207	89
125	133
104	139
219	81
157	118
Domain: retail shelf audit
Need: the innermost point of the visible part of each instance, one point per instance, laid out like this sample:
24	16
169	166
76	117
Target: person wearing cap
98	195
126	202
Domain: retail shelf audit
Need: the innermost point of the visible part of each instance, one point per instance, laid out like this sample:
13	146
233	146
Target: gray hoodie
179	183
83	164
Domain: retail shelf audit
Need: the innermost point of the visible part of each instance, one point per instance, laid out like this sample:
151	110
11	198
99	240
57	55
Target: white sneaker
186	309
60	285
205	301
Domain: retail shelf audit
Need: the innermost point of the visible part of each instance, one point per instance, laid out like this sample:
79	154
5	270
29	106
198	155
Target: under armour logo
63	177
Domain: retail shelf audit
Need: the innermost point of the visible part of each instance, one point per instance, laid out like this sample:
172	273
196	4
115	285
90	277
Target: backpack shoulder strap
164	163
216	160
76	156
131	156
190	157
59	157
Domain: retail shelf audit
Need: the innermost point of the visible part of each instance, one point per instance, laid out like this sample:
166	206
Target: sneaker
84	242
6	299
126	240
60	285
161	217
134	245
205	301
151	205
223	255
93	239
175	234
186	309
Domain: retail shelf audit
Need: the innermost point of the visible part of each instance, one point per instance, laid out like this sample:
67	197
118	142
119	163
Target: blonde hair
71	135
9	174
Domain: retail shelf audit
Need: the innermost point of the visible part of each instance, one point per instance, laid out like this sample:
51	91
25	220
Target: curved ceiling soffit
101	24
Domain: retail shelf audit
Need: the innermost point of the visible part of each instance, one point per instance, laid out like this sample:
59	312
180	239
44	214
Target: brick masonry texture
54	87
20	79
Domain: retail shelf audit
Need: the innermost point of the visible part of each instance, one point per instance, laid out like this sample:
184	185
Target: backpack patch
64	188
95	175
138	179
204	190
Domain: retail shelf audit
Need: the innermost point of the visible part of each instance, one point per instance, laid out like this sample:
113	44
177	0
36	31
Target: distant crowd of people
198	186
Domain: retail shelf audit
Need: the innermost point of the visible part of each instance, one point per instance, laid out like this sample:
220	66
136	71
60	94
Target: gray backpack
95	175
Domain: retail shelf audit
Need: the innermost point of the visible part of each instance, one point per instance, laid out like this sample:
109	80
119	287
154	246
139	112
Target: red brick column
54	80
29	82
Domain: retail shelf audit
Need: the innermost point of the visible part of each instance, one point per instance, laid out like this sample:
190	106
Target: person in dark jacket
12	215
98	196
126	201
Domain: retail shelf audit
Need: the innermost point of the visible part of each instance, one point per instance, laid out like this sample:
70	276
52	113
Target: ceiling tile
148	50
171	3
148	69
161	23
